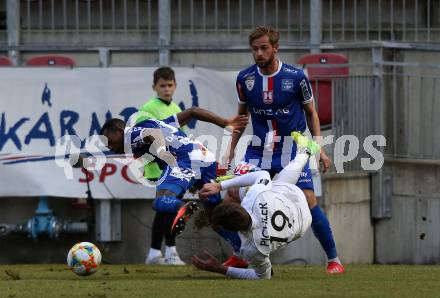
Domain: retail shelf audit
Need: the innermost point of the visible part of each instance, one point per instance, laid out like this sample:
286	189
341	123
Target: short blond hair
260	31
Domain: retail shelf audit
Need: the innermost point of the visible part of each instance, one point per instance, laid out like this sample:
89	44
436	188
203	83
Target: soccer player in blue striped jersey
279	99
186	163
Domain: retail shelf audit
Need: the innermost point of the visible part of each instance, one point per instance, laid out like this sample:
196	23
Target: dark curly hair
112	125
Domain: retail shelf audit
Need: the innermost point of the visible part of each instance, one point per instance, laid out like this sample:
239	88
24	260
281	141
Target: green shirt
159	109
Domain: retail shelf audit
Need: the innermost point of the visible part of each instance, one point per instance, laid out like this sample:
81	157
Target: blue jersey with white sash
275	103
176	141
195	164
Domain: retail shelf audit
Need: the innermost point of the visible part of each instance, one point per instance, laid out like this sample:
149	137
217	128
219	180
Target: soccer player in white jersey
271	214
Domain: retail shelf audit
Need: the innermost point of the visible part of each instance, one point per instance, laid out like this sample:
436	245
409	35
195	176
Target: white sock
335	260
154	253
291	173
169	251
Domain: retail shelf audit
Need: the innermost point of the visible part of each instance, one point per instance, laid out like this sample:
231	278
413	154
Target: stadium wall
411	235
137	217
347	200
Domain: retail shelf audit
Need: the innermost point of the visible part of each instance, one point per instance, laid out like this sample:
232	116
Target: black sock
170	239
157	230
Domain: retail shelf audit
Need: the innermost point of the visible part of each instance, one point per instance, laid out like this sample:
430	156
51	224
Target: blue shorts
275	163
186	175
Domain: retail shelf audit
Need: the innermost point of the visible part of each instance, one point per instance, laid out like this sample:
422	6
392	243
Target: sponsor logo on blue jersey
268	97
287	85
271	112
289	70
250	82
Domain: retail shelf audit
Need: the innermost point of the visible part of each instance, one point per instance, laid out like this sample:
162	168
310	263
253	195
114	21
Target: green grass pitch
49	280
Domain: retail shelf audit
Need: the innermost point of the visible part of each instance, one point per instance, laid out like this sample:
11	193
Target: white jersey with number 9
280	214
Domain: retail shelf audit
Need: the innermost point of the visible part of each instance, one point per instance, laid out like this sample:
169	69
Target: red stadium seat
321	77
5	61
51	60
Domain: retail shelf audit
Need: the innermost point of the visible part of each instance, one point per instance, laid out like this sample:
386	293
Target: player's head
264	45
114	131
231	217
164	82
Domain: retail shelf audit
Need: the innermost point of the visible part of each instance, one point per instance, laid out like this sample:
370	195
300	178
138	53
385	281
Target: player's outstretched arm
233	124
227	159
212	264
158	148
248	179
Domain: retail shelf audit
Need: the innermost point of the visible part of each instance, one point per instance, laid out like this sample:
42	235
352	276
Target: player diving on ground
270	215
185	163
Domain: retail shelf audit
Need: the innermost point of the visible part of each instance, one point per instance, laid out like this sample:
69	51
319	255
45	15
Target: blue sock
232	238
321	229
167	204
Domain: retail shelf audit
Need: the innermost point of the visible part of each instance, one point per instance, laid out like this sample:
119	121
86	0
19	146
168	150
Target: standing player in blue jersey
185	163
279	99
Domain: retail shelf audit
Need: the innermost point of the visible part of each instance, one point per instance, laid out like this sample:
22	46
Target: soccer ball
84	258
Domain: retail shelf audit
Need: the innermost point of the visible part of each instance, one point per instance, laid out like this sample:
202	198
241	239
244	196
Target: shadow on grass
102	277
190	277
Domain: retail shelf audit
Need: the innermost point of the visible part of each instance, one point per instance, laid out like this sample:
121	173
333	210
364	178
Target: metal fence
342	20
213	22
89	22
228	19
388	20
355	113
412	107
402	104
92	21
3	32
